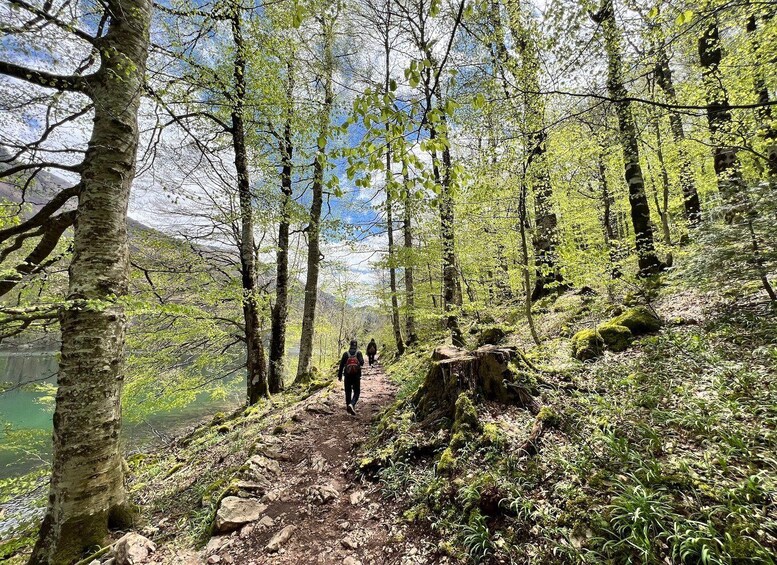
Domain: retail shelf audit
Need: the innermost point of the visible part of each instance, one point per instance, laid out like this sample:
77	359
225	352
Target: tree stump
490	372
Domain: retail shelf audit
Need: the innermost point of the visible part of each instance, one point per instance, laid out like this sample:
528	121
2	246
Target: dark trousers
352	389
371	357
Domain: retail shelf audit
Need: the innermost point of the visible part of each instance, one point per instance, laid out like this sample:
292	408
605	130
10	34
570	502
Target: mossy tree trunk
256	380
609	222
86	493
548	275
640	210
663	75
727	166
304	366
764	112
280	310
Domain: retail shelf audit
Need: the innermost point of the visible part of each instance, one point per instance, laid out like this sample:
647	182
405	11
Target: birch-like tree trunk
640	210
86	493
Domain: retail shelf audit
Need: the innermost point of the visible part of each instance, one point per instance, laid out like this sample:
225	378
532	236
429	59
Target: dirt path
334	519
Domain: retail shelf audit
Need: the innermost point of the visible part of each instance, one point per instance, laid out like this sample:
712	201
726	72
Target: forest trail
335	519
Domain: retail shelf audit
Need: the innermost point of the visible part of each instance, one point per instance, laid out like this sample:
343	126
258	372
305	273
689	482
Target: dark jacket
372	348
344	359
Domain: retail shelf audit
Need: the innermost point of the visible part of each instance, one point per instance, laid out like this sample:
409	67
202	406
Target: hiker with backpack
351	367
372	351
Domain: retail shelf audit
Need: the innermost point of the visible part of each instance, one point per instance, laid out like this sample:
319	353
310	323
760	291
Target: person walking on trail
372	351
351	367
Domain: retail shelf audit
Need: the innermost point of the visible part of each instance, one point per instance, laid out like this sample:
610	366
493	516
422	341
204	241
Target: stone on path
357	497
321	494
280	538
133	549
349	542
260	466
234	512
351	561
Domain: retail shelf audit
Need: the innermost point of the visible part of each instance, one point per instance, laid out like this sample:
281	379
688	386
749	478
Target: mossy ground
661	454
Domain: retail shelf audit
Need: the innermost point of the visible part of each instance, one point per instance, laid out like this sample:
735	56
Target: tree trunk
640	210
280	310
391	260
395	325
407	230
449	277
726	161
256	379
86	493
548	274
304	367
764	113
609	223
447	236
663	74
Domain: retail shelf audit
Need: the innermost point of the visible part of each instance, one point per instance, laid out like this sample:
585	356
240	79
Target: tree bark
548	277
256	378
640	211
86	493
304	366
280	310
609	223
764	113
407	231
663	74
395	324
727	166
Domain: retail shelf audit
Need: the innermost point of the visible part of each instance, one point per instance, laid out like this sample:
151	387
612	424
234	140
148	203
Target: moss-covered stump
491	372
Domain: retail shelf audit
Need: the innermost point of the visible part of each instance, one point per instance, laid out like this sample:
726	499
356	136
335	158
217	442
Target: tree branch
61	83
43	215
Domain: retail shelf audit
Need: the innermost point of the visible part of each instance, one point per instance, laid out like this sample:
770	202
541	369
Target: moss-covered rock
616	337
447	462
591	343
639	320
491	336
587	344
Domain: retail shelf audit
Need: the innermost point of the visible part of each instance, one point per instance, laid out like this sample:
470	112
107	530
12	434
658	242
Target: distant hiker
372	351
351	366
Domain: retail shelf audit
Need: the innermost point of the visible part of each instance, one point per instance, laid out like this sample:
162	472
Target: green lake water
26	413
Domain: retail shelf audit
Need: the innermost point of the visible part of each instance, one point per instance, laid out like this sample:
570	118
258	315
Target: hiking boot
350	410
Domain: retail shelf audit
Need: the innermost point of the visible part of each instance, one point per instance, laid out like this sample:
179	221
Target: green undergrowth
663	454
